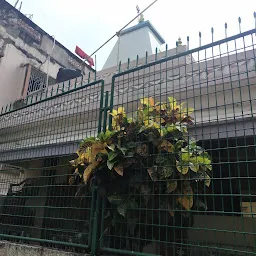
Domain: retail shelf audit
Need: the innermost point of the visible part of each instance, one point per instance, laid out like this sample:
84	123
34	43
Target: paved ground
11	249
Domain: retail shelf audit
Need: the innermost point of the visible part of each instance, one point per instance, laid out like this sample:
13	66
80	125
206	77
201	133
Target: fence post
95	220
105	112
111	104
101	106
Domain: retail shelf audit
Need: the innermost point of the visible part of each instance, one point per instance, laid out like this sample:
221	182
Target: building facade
27	54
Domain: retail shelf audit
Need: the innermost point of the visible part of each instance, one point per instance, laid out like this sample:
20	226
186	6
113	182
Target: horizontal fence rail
165	167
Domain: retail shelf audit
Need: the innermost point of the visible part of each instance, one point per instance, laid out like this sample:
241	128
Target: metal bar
101	106
125	252
42	240
55	96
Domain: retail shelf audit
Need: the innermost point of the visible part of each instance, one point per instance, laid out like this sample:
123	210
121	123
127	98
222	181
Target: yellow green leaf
166	171
171	185
185	156
86	156
203	160
207	180
152	172
194	166
119	111
186	200
98	147
166	146
209	167
147	101
182	104
171	128
115	199
129	120
151	124
88	171
119	169
173	103
73	163
111	147
114	112
187	111
160	106
182	168
71	180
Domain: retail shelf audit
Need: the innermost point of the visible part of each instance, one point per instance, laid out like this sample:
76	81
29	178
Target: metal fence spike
239	23
89	77
119	66
226	29
254	14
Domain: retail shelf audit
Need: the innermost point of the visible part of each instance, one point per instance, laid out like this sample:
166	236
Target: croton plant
148	154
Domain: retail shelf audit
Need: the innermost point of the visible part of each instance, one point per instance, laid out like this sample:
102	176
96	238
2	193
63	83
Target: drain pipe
48	62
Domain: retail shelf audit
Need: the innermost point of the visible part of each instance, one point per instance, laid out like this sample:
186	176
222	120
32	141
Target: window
37	80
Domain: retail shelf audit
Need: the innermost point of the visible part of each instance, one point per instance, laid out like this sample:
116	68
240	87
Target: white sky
89	23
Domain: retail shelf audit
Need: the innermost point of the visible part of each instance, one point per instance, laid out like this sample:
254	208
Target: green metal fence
190	187
37	141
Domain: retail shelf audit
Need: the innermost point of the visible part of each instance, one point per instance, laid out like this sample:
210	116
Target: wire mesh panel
182	157
39	201
54	126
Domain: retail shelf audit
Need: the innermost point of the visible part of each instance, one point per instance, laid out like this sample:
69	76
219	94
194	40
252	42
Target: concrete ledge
12	249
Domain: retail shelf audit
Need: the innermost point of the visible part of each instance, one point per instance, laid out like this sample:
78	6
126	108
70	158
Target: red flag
83	55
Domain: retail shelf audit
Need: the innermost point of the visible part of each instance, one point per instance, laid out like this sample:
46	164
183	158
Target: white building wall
154	42
135	43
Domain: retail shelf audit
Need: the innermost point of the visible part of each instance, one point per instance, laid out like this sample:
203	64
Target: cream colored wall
18	53
12	73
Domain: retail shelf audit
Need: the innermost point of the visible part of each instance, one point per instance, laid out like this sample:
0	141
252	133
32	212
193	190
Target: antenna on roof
141	17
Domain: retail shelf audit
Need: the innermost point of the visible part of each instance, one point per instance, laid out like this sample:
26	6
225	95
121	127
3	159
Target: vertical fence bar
106	108
101	106
95	238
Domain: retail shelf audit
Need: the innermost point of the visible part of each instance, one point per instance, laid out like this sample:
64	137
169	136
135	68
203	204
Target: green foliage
149	155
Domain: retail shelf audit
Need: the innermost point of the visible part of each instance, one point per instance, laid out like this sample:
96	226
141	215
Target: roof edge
142	25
